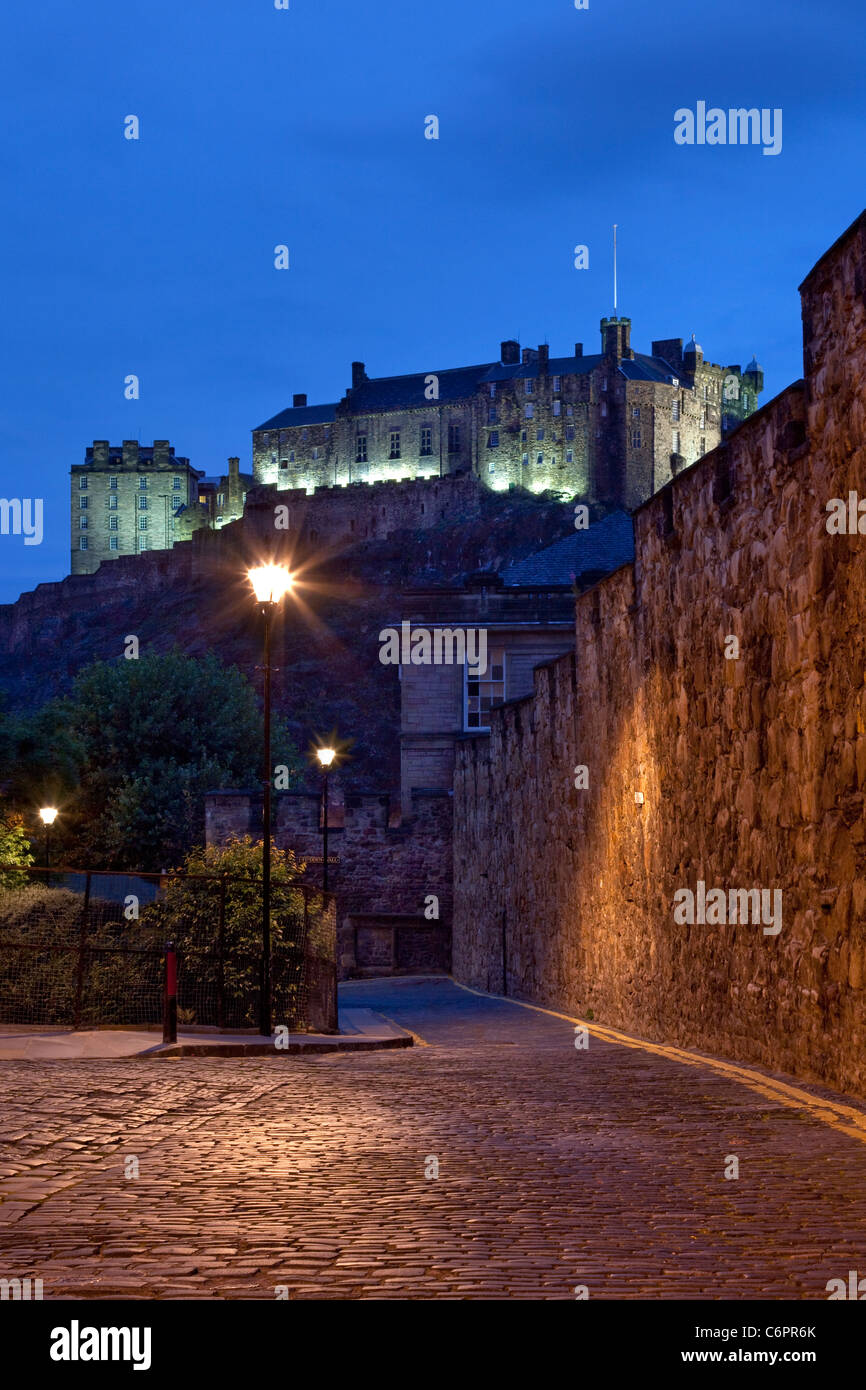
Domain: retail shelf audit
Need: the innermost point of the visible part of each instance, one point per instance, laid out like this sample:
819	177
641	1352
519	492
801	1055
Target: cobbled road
558	1168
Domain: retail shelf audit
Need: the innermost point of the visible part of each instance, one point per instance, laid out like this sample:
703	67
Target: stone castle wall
752	770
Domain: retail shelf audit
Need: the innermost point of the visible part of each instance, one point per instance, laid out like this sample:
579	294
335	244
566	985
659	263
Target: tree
139	742
14	849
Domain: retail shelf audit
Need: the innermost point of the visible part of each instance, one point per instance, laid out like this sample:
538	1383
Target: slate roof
601	549
386	393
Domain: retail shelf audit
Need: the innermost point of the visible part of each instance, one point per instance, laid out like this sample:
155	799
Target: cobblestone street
557	1168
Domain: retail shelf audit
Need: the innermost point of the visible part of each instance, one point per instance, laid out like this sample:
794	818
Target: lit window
557	407
361	448
493	439
395	444
426	440
484	689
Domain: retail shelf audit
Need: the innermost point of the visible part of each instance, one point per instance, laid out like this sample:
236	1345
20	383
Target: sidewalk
361	1030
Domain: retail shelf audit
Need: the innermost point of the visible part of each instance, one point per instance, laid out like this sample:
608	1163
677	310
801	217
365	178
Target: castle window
305	435
175	482
142	504
525	460
112	523
557	383
703	445
112	481
706	392
539	435
453	439
395	444
529	411
112	542
273	458
604	407
529	386
492	466
635	414
675	445
675	408
82	481
523	436
221	499
492	389
142	523
142	542
284	463
266	439
604	383
493	439
82	543
553	462
484	689
569	456
569	410
569	431
675	381
703	419
142	483
539	460
82	523
361	448
112	499
426	440
82	502
557	407
635	439
315	454
492	415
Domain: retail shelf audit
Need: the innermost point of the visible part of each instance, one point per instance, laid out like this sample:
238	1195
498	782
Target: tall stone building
611	427
124	501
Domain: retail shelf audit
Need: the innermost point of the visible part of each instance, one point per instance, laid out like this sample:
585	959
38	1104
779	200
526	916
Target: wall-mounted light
638	798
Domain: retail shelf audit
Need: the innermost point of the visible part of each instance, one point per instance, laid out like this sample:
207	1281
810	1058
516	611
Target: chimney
299	400
615	335
509	352
359	376
100	453
130	453
530	355
543	356
234	470
161	454
578	349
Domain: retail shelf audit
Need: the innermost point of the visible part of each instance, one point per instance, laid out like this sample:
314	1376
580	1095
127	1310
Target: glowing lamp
326	756
270	582
48	815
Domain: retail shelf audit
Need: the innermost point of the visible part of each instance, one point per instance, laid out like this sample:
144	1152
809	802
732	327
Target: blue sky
306	127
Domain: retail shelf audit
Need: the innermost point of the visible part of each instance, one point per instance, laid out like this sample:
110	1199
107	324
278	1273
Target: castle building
612	427
124	501
138	497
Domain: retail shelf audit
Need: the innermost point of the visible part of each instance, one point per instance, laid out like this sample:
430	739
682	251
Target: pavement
491	1160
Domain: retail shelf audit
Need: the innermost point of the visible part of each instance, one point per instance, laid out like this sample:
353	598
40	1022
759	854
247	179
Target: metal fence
84	948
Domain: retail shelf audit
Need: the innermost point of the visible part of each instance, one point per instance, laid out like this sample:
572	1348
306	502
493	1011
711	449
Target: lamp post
326	757
48	815
270	583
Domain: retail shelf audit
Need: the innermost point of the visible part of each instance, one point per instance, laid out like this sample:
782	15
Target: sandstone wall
752	770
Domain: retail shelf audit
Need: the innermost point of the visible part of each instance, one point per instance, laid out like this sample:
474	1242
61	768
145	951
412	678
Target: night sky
306	127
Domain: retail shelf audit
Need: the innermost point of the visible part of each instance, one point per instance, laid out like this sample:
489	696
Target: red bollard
169	1002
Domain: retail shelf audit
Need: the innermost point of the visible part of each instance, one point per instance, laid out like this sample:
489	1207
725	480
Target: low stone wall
751	768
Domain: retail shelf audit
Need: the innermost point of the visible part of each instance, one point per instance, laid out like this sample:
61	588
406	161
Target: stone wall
383	869
752	769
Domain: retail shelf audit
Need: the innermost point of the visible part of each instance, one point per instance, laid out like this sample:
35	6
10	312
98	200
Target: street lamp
325	756
48	815
270	584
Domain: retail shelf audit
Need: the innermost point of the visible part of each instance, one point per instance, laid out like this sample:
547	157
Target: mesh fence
85	948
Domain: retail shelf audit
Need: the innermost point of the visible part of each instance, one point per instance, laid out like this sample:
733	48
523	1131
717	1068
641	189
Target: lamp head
270	582
48	815
326	756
